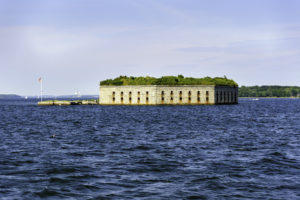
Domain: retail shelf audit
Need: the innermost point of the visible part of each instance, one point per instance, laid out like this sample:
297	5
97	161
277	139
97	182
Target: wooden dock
67	102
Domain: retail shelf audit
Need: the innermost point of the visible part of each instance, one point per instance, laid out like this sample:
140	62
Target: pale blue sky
74	44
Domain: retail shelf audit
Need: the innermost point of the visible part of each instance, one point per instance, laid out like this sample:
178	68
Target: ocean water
245	151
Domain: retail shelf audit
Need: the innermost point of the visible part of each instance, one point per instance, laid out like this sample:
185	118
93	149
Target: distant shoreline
270	97
268	91
10	96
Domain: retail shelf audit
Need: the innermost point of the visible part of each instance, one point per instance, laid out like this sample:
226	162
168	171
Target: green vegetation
169	80
269	91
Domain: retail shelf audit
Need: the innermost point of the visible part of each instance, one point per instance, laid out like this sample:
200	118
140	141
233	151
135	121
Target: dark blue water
245	151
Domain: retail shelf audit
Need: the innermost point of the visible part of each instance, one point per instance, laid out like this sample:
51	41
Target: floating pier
67	102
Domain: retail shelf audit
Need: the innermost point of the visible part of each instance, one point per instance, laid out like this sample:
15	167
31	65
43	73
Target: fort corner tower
168	90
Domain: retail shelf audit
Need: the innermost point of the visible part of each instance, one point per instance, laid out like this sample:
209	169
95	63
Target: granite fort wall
168	95
185	94
226	95
135	95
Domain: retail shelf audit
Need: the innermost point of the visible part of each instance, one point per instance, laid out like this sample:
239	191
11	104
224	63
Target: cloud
75	46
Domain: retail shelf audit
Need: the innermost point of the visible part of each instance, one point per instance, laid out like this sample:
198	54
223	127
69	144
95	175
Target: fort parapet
168	95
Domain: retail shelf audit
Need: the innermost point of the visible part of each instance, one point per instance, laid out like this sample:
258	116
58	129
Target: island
269	91
168	90
10	96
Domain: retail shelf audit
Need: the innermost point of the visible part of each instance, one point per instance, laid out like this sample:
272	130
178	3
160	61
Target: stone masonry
168	95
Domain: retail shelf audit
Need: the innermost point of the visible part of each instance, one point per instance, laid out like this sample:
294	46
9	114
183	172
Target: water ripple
245	151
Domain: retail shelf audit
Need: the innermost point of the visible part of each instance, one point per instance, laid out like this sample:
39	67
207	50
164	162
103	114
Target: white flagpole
41	83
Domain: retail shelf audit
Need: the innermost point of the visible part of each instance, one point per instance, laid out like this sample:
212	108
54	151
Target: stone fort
168	90
167	95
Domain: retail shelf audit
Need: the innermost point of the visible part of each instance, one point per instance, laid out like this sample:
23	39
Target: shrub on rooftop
169	80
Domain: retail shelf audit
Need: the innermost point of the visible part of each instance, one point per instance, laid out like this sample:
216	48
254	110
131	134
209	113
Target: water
245	151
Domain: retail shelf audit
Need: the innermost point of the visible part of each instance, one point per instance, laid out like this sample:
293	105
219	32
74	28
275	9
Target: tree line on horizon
169	80
269	91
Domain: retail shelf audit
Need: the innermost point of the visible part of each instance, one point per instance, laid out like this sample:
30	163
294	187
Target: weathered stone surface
167	95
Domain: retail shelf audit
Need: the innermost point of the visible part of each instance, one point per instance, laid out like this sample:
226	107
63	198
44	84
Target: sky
74	44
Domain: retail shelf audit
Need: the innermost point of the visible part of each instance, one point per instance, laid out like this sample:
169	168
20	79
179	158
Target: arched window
122	99
227	96
180	96
113	96
190	98
235	97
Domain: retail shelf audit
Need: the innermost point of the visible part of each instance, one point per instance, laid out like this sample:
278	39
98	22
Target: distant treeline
10	96
169	80
269	91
